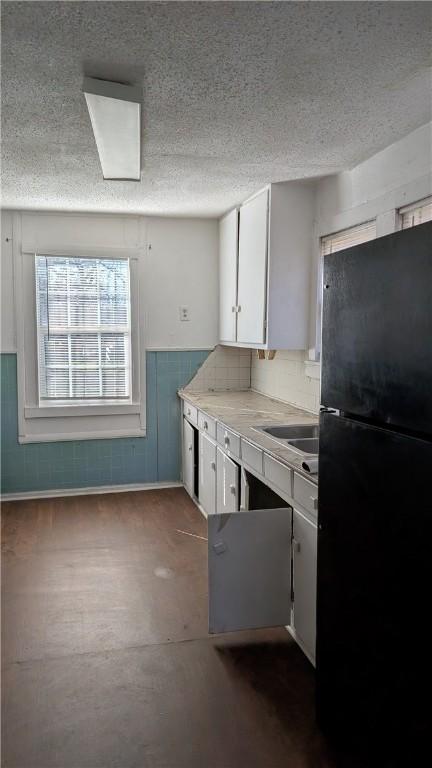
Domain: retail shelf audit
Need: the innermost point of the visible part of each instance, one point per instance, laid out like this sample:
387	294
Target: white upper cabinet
273	262
252	270
228	245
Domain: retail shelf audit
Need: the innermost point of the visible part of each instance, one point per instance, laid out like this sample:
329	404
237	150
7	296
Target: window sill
52	412
66	436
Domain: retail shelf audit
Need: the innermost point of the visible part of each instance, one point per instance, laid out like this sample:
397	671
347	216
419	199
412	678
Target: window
83	330
80	310
346	238
417	213
338	241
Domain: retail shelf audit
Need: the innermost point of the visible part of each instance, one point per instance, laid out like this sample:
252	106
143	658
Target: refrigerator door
377	330
374	582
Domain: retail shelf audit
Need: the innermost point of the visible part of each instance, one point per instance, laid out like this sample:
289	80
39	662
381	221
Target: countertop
243	410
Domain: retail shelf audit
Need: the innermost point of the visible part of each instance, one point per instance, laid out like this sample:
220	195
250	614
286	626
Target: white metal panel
207	424
252	456
278	473
249	561
304	580
306	493
252	270
227	484
228	245
228	439
188	457
190	412
207	474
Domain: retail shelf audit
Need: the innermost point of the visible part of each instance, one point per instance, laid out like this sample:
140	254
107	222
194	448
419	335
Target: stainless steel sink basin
308	445
292	431
302	438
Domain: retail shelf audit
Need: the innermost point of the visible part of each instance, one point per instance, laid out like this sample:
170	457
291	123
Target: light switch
184	314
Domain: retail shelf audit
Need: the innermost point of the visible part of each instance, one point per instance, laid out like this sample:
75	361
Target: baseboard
54	493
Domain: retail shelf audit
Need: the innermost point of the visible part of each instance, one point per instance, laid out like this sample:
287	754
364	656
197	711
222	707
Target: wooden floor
106	658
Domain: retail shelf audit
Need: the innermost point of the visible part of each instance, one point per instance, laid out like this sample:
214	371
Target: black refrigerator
374	599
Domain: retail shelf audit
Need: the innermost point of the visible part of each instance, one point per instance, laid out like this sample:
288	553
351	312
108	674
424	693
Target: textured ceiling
235	95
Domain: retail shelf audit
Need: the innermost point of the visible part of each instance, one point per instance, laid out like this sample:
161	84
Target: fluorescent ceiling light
115	114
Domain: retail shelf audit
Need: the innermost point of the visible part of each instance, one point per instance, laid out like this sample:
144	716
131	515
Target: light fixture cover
115	114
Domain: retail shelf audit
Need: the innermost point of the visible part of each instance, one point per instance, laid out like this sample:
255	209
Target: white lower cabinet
188	457
207	474
249	560
305	580
262	552
249	565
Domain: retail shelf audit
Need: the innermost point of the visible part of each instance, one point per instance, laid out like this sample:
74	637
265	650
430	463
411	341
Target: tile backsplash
225	368
285	378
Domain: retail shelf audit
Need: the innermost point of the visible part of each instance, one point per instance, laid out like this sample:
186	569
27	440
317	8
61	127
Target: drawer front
252	456
279	474
190	412
229	440
207	424
306	493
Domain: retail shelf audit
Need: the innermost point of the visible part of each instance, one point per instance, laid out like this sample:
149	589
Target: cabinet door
228	245
188	457
227	483
207	474
252	270
305	580
249	563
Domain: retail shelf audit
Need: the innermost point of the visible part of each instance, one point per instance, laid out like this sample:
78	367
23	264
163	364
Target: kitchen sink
307	445
292	431
303	438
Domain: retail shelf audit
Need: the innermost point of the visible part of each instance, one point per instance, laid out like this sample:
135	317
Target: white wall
394	177
181	269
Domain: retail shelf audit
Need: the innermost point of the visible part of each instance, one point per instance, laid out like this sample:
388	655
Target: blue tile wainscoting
89	463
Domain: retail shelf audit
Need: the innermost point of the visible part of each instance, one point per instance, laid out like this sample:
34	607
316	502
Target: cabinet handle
213	465
234	309
205	425
190	448
314	500
238	308
296	545
226	440
188	411
233	489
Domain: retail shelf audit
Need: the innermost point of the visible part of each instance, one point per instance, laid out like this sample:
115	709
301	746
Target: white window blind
83	329
346	238
417	213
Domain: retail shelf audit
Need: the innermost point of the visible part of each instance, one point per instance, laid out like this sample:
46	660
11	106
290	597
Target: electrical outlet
184	314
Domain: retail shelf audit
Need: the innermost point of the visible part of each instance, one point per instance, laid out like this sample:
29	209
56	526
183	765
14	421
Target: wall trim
179	349
91	490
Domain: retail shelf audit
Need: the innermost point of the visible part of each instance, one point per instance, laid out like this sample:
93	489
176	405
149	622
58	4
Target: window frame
81	402
66	422
412	207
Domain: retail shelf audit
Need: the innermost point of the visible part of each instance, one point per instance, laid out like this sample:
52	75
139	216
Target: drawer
252	456
207	424
229	440
190	412
279	474
306	493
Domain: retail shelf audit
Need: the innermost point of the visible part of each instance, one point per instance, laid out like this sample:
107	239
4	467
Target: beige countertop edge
241	423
